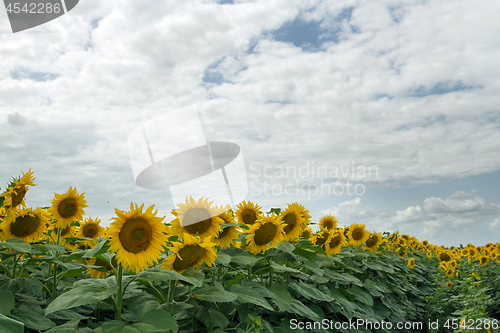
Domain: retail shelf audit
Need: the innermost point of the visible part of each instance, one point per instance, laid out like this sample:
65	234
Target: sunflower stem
170	291
271	271
13	275
160	296
56	254
119	293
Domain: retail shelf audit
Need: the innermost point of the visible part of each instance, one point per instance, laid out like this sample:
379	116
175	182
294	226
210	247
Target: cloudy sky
384	113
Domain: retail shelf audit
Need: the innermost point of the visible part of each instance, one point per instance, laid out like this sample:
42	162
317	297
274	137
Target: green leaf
286	247
247	294
8	325
361	295
213	294
112	326
29	285
32	317
159	319
299	308
305	253
166	275
44	248
282	268
79	296
223	259
244	259
379	266
281	296
98	249
213	318
309	291
343	278
17	245
7	301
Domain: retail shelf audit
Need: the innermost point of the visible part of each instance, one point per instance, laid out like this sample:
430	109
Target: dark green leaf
7	301
98	249
213	318
249	295
361	295
299	308
79	296
223	259
309	291
17	245
166	275
213	294
9	325
281	296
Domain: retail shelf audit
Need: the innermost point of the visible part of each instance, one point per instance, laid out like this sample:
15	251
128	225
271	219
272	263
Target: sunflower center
321	240
328	224
67	208
265	234
249	216
190	255
224	232
444	257
24	226
357	234
19	196
65	231
291	221
371	242
336	241
136	235
191	218
89	230
103	263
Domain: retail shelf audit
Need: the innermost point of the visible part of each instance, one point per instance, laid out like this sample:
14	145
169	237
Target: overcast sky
384	113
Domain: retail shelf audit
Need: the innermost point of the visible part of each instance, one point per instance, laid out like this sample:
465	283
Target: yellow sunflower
95	273
90	228
402	252
137	237
465	252
28	225
320	238
303	211
411	263
307	233
68	207
294	222
335	242
357	234
248	212
226	237
265	233
328	222
484	261
374	241
443	256
450	272
192	253
15	193
207	220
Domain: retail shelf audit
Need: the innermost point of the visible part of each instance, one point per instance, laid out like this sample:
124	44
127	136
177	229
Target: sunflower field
233	271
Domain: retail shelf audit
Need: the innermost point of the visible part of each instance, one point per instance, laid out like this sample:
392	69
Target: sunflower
411	263
374	241
303	211
328	222
15	193
472	252
484	261
90	228
335	242
137	237
28	224
307	233
449	284
248	212
68	207
197	219
450	272
402	252
294	222
265	233
357	234
95	273
192	253
320	237
465	252
443	256
226	237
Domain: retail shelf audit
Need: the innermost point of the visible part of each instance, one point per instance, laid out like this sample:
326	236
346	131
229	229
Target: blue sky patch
34	76
441	88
